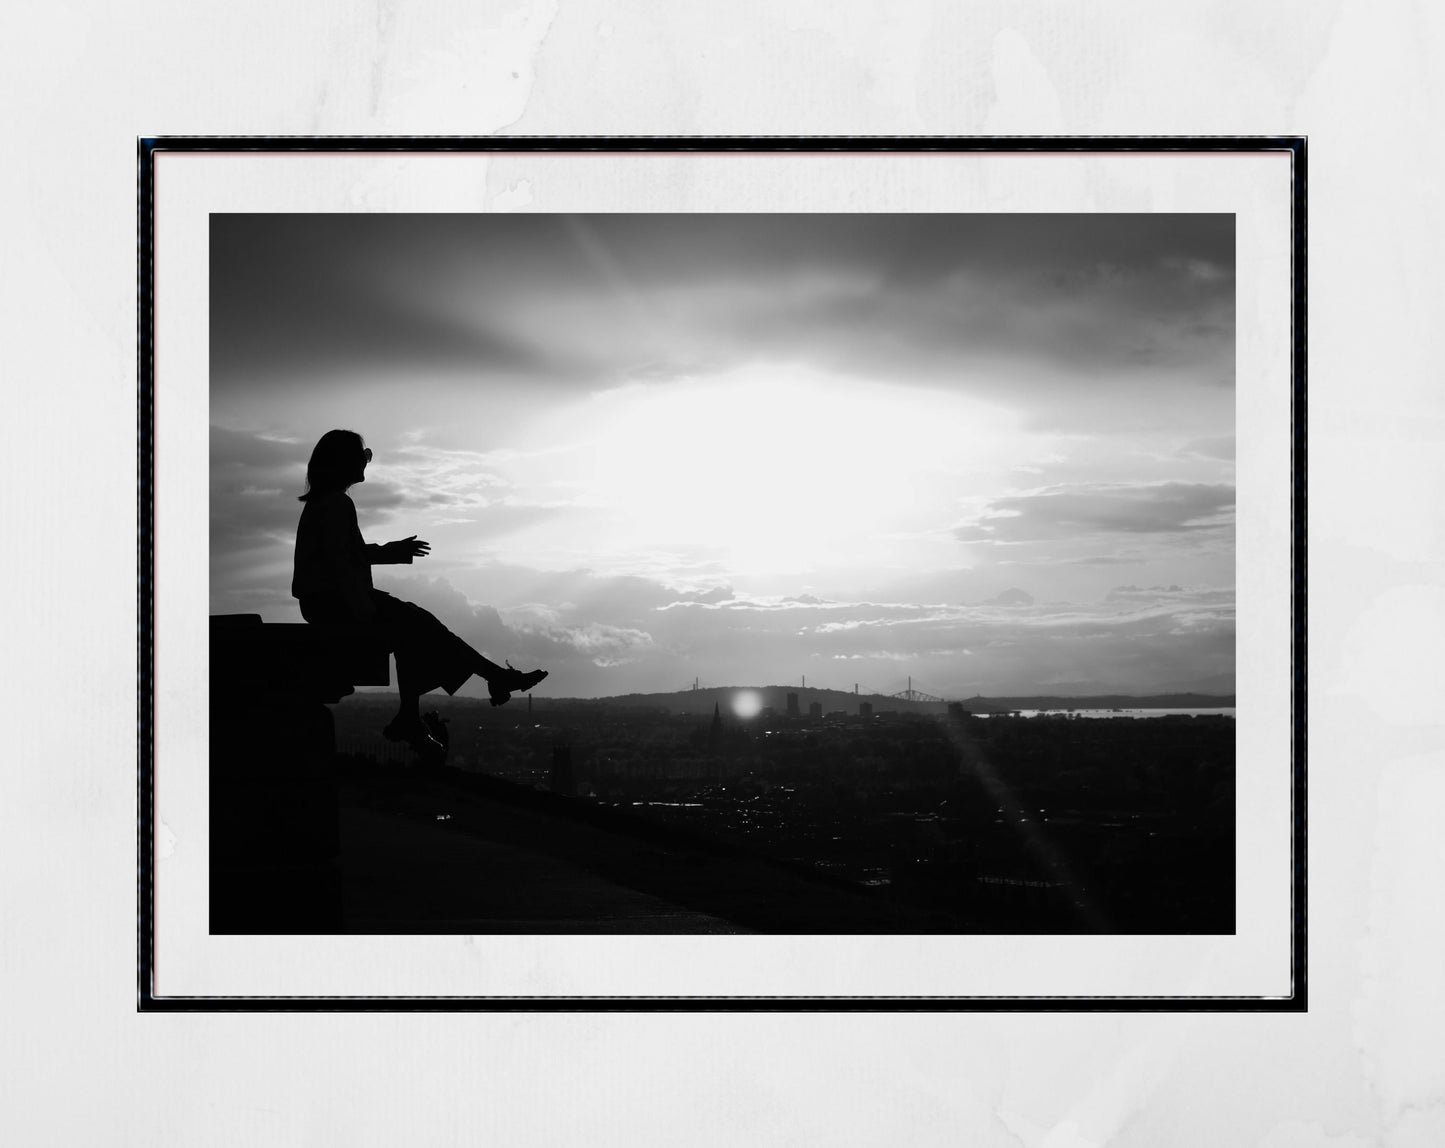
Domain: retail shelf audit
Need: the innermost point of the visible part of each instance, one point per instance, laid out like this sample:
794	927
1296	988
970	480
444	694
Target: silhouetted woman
332	581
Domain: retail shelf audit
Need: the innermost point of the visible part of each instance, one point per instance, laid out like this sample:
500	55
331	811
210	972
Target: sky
993	454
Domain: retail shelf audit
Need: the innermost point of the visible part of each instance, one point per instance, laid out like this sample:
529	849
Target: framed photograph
741	573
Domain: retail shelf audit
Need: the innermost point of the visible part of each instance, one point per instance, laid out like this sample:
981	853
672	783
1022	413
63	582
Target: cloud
1070	341
446	478
254	481
1088	560
1221	447
605	645
1201	269
609	635
716	594
1058	310
569	641
603	635
483	331
1135	647
1152	595
313	294
1070	512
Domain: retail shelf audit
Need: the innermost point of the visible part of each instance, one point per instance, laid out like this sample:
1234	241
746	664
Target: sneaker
520	683
436	725
415	735
504	685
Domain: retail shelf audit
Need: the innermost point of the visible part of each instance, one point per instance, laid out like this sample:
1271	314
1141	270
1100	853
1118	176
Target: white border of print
1255	962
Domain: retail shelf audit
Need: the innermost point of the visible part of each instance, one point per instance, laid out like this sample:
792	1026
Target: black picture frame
150	147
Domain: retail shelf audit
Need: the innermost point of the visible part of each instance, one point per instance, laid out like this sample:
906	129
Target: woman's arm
397	553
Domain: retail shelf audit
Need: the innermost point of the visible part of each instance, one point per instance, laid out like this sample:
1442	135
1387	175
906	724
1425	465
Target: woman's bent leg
428	655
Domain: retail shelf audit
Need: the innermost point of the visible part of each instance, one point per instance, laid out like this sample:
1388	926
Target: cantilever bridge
912	695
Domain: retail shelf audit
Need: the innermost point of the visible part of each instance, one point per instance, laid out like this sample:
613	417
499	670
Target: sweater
332	559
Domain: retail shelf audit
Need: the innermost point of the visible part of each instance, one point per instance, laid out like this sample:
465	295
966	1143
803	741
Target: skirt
428	655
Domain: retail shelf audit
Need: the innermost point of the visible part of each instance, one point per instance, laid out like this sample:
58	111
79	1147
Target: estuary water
1222	711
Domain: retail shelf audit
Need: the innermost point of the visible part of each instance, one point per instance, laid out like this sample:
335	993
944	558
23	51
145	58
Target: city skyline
992	453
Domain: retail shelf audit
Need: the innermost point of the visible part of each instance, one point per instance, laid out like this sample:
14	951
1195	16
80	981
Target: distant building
815	710
865	709
792	705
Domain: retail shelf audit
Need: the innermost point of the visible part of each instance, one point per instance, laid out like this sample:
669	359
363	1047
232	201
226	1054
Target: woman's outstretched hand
407	549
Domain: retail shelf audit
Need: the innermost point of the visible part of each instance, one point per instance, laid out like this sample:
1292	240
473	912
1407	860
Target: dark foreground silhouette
332	583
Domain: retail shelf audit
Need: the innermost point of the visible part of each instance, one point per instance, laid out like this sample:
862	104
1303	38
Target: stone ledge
294	659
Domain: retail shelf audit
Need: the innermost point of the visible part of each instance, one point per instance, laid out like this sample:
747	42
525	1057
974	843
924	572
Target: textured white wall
1366	1065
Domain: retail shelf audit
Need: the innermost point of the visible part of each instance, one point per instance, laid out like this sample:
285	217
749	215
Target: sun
747	704
771	469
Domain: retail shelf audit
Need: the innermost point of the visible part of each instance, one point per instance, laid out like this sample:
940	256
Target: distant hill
702	700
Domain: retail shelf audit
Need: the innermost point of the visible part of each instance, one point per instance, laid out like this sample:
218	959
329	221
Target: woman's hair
333	464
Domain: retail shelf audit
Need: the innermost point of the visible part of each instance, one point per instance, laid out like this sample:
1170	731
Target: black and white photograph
827	573
755	574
